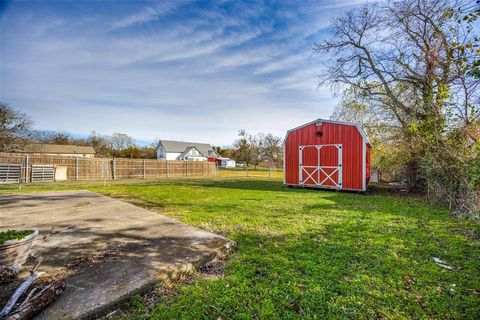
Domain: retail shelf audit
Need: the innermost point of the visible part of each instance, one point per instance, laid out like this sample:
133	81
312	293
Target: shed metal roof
355	124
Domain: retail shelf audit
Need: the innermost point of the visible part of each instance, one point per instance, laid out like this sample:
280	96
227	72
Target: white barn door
320	165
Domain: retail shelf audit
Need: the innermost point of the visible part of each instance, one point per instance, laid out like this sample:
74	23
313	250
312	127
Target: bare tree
101	144
248	149
271	149
255	143
398	54
121	141
47	136
254	149
403	56
13	124
242	150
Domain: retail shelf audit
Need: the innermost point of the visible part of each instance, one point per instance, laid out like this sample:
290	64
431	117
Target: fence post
76	168
104	174
26	168
166	161
144	173
186	168
114	172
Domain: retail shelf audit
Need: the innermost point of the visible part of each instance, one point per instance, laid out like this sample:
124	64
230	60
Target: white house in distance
227	163
179	150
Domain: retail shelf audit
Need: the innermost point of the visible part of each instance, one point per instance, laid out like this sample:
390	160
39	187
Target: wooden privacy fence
79	168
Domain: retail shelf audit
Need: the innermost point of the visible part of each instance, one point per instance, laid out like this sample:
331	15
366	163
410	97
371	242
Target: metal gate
43	173
320	165
10	172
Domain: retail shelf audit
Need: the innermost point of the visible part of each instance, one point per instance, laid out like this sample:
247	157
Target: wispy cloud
285	63
146	14
200	70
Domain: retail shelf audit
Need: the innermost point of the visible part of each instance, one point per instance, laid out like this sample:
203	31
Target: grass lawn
315	254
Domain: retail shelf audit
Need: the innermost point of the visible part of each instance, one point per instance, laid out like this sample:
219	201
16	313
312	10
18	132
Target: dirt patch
385	188
214	269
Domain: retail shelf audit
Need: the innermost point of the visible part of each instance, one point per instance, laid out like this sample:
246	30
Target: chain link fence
248	171
25	168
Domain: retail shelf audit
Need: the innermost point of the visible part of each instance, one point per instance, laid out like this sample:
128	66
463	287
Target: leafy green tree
390	152
247	149
271	149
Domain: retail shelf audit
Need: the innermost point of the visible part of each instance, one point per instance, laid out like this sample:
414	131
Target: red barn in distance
327	154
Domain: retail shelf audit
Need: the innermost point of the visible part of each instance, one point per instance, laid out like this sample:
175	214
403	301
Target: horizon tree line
16	132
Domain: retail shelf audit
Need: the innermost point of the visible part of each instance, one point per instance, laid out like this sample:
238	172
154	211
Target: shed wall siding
347	135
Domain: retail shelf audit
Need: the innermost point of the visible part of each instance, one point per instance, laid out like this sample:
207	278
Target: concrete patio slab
107	249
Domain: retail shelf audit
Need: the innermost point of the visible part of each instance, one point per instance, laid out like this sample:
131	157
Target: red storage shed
327	154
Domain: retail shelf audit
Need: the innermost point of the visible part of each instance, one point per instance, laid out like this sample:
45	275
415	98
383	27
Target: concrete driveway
107	249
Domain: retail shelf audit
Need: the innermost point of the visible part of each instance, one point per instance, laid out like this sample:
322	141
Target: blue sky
186	70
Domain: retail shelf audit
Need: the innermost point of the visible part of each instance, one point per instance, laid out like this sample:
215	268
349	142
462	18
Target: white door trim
319	168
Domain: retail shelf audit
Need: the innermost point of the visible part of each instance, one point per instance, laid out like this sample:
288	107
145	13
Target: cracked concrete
111	250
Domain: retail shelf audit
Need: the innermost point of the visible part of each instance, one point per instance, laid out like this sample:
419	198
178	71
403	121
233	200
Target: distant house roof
186	151
58	148
181	146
